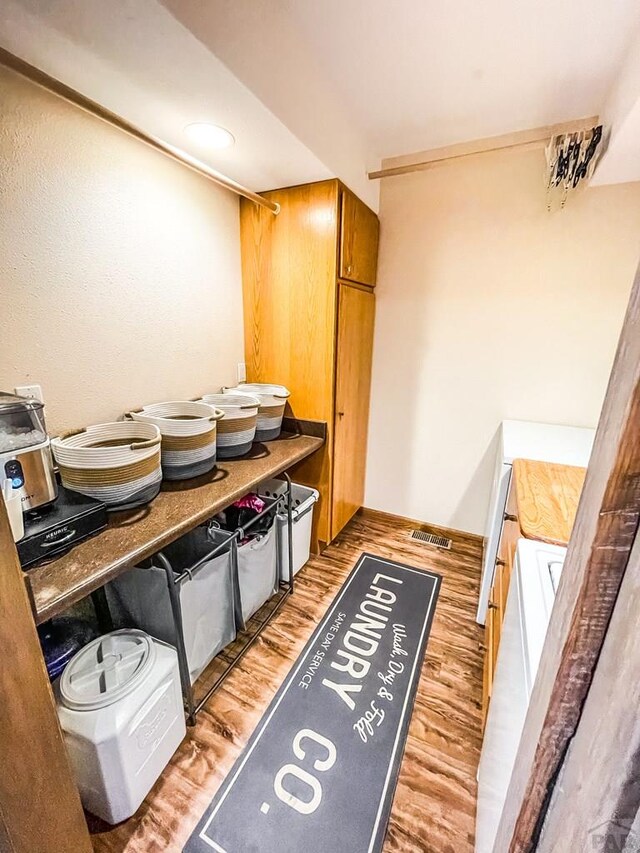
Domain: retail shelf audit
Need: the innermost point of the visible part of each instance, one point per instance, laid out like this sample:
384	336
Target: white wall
489	307
121	277
620	116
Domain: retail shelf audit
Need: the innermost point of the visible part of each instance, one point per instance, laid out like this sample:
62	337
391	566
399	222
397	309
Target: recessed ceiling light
209	135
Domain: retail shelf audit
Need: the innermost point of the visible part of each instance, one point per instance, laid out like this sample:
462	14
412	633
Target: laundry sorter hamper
189	586
199	591
303	500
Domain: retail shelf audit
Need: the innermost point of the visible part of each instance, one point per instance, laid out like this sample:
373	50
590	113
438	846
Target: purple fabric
251	501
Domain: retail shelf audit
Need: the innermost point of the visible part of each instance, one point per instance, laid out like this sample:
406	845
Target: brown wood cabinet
359	234
498	596
500	588
308	328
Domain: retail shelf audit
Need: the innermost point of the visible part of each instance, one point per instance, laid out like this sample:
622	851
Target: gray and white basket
273	399
189	435
116	463
237	430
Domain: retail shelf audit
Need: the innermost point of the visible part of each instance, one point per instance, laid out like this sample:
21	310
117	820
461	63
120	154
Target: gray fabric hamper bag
139	598
257	571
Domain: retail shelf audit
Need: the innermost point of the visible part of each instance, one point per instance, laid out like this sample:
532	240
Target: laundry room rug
319	772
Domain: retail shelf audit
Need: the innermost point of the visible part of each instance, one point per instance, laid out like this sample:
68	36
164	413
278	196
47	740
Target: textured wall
119	269
489	307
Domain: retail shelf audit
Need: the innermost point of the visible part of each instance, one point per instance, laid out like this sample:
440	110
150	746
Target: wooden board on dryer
547	496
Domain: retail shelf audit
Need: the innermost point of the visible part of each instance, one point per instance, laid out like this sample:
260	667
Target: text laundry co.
362	639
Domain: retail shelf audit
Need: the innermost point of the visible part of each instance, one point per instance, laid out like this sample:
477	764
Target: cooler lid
106	670
11	404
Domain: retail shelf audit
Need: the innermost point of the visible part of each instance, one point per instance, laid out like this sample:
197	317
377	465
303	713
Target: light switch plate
242	371
30	391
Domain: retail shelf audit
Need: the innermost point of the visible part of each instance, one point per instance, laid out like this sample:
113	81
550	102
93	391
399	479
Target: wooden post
597	558
40	808
597	797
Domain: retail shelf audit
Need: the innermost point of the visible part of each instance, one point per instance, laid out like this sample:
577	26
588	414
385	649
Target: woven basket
189	434
116	463
237	430
273	399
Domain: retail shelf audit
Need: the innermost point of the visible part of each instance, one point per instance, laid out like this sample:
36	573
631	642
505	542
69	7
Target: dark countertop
136	534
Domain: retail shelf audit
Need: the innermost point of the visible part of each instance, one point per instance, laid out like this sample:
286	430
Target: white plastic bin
120	708
140	597
303	499
257	571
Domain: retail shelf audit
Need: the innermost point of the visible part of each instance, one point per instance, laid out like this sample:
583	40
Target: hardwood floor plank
435	799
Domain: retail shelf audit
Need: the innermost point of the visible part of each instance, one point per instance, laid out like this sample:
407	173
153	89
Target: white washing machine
120	708
531	597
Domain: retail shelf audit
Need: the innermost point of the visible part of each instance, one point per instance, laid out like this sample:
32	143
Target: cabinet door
497	613
356	309
488	668
359	231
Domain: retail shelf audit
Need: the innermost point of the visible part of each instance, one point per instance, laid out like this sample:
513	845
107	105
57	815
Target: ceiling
419	74
318	88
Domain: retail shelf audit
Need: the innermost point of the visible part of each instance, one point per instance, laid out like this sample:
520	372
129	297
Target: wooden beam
597	558
39	803
604	803
537	137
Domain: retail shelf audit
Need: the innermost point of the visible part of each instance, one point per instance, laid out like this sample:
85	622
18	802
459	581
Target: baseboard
450	532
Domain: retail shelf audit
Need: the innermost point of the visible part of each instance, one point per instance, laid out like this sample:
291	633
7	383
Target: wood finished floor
434	804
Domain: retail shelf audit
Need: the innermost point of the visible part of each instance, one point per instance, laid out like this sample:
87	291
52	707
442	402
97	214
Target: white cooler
120	708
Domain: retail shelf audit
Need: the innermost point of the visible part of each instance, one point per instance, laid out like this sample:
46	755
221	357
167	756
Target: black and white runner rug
319	772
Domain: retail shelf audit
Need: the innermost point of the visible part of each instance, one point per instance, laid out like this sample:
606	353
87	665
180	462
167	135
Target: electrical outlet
30	391
242	371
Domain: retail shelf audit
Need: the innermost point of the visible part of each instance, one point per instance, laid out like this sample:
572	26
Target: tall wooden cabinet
308	282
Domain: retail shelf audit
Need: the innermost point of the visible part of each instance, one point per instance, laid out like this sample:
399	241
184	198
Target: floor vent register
431	539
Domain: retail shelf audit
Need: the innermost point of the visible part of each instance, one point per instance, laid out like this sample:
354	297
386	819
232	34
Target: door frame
603	536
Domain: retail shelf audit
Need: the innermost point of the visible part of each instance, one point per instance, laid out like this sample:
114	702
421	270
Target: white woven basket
273	400
188	436
117	463
237	430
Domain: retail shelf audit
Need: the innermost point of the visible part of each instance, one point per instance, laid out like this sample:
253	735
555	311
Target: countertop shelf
136	534
547	496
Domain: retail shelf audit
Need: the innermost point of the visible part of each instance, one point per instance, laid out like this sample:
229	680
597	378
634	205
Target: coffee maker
25	451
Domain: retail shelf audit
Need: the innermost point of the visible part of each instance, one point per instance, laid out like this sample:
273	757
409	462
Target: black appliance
55	528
